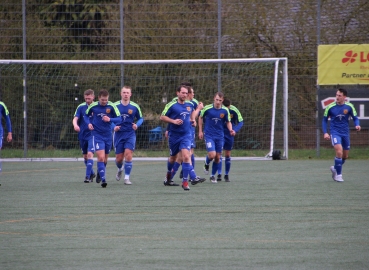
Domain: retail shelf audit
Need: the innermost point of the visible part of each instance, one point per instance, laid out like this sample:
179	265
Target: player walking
339	113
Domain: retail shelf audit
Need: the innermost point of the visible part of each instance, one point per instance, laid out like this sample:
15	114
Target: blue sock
192	173
174	170
92	167
220	165
186	167
101	170
119	165
343	161
127	168
214	168
338	165
193	161
227	165
169	166
89	165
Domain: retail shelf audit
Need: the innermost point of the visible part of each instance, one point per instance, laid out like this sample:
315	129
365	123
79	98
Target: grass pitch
272	215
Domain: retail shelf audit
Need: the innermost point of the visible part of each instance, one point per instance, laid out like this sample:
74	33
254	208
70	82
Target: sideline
113	158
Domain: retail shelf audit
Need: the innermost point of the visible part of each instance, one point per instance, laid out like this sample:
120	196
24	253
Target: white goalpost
51	90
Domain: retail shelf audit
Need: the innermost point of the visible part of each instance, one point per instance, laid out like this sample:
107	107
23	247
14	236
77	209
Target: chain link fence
191	29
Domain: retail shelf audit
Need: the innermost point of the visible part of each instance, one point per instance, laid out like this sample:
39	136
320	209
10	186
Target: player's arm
167	119
201	123
325	124
75	124
198	109
139	122
9	138
355	118
193	118
237	127
229	127
325	128
87	118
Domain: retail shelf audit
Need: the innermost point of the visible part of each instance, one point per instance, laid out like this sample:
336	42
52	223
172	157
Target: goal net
42	96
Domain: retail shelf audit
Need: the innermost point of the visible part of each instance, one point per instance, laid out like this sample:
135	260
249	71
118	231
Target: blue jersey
236	120
175	110
5	113
195	103
97	111
340	116
215	120
84	133
129	114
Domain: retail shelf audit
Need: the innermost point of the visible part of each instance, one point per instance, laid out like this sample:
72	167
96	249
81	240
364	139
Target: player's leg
173	151
228	146
176	166
128	164
84	148
119	156
227	167
90	160
210	148
345	143
218	152
219	177
337	144
186	166
100	154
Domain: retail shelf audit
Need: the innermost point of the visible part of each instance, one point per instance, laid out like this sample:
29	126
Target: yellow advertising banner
343	64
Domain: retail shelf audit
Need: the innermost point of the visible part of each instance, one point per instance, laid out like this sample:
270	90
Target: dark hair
103	93
226	102
183	86
89	92
343	91
186	84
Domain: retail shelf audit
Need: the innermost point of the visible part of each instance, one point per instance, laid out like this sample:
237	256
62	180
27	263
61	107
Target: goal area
42	96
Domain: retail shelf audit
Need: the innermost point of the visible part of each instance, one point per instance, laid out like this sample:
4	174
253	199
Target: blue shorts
228	143
83	144
177	144
99	143
343	140
122	144
214	144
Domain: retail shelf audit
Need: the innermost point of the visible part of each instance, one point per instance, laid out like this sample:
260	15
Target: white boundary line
113	159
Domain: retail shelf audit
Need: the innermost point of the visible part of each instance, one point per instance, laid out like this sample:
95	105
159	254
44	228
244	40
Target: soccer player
5	113
339	113
124	137
215	117
190	97
237	123
181	116
101	131
80	126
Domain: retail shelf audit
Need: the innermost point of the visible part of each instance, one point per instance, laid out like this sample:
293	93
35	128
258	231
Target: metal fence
191	29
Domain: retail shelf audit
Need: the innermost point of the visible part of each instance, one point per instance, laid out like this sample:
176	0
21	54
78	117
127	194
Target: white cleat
127	182
334	172
338	178
118	176
213	180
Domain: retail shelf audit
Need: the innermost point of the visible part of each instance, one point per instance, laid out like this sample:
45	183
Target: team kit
103	124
